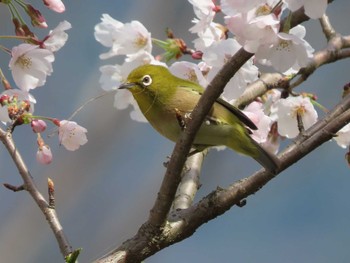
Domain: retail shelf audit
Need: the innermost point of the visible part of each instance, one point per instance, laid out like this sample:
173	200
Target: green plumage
166	101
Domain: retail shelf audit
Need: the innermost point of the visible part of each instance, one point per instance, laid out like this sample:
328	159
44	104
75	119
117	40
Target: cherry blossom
55	5
44	155
57	37
255	112
30	65
123	39
71	135
232	7
289	53
217	55
205	12
287	111
270	99
343	136
213	33
190	71
256	27
313	8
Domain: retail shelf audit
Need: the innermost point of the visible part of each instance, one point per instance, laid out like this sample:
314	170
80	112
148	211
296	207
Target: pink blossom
71	135
44	155
255	112
55	5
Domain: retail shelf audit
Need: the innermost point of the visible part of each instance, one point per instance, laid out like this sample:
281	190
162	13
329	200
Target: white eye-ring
146	80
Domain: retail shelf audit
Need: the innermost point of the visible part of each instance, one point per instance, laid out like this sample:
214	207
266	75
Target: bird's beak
127	85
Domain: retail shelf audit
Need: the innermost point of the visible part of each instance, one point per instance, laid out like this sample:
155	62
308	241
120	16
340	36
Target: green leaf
72	257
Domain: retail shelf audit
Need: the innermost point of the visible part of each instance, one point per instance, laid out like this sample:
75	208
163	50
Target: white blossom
123	39
313	8
232	7
71	135
287	111
343	136
189	71
204	10
217	55
256	27
30	65
289	53
57	37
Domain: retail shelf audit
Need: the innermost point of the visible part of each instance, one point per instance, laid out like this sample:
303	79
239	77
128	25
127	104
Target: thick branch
220	200
157	233
189	183
172	177
29	185
308	141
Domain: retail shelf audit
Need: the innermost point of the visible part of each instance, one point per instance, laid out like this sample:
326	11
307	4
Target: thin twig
14	188
29	185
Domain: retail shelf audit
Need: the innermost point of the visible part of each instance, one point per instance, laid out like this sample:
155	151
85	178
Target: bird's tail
265	158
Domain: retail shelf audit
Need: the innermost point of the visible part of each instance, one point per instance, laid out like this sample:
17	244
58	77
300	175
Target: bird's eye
147	80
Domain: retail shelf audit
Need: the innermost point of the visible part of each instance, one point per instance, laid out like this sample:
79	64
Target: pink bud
55	5
36	17
4	99
57	122
44	155
38	125
197	55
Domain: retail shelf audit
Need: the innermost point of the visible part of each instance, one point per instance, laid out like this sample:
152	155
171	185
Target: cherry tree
251	53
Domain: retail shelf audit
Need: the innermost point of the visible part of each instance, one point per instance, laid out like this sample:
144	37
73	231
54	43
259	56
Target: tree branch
189	183
29	185
186	221
157	232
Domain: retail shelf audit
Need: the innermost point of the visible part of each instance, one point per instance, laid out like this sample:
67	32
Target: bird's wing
238	113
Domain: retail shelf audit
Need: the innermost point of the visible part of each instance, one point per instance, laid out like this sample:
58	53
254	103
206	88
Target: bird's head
153	80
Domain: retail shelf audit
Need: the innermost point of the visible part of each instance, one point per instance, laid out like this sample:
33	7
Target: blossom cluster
30	64
255	26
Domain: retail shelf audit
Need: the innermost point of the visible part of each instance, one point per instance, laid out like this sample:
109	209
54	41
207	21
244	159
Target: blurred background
105	190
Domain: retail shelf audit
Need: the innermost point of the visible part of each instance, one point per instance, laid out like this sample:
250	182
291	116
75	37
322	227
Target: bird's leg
181	121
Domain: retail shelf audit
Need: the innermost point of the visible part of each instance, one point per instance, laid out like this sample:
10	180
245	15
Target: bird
167	101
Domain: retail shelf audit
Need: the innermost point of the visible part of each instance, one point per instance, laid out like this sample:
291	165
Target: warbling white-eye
166	101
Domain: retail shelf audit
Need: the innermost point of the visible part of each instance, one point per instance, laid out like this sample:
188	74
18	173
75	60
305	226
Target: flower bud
44	155
197	55
55	5
38	125
36	17
4	100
